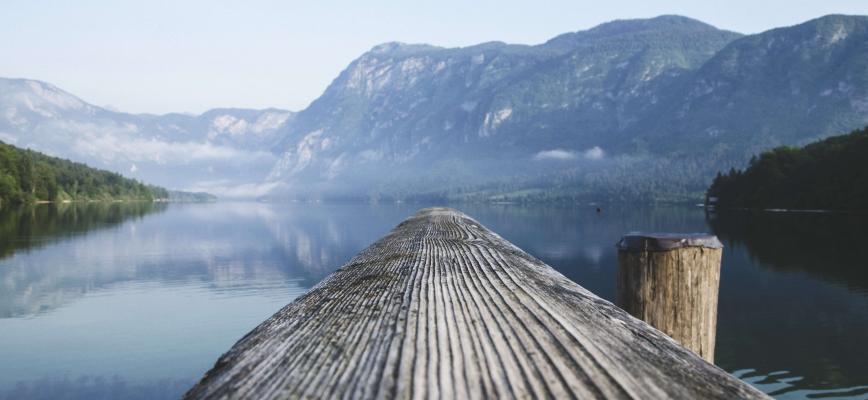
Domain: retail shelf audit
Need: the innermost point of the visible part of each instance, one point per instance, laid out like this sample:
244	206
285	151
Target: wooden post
671	282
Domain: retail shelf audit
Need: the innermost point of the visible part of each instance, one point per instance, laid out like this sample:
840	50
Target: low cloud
371	155
594	153
226	189
335	167
120	143
112	147
556	154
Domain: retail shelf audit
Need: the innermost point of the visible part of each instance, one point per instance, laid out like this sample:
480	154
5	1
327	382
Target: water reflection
828	246
97	387
793	309
245	247
26	288
141	298
160	297
29	226
793	300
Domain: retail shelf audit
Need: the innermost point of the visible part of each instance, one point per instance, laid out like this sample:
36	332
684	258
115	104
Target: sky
188	56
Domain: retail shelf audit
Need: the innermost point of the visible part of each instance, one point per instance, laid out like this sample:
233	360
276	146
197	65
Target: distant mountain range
633	109
221	150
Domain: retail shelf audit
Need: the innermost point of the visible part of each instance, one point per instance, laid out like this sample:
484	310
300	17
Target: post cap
641	241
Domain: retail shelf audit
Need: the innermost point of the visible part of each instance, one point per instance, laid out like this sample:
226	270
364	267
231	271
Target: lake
137	300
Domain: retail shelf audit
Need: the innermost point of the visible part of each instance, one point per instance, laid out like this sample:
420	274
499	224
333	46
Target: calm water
138	300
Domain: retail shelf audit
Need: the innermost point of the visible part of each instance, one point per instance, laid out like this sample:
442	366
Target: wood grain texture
674	291
442	307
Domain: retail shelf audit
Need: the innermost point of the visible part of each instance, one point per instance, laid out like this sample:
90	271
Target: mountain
830	174
634	109
219	150
647	109
785	86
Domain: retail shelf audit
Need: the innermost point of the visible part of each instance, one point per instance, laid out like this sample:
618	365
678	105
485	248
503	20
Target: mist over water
138	300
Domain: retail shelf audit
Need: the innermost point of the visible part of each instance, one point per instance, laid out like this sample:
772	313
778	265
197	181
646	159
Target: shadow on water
29	226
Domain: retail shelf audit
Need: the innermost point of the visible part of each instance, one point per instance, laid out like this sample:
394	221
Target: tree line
831	174
28	176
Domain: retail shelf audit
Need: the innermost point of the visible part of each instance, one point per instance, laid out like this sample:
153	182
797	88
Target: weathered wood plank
443	307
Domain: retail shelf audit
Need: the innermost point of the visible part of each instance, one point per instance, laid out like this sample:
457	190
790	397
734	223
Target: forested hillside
829	174
29	176
631	110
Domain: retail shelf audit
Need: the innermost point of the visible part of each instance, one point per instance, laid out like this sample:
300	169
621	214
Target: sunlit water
139	300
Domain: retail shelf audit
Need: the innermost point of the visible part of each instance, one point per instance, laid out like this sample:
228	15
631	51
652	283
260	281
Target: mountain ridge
53	87
213	151
641	93
625	109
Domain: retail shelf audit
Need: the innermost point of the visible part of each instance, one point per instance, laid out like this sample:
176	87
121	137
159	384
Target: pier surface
443	307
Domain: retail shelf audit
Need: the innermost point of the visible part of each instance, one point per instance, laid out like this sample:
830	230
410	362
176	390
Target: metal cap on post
671	282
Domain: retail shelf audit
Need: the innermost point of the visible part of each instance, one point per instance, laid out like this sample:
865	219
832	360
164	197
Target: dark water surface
138	300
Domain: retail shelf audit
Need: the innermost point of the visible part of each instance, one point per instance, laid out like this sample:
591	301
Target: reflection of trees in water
229	248
770	319
34	286
30	226
833	247
793	298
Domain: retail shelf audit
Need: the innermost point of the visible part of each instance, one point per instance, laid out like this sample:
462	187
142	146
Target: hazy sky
188	56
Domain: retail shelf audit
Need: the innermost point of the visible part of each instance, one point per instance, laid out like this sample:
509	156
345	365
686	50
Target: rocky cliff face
622	104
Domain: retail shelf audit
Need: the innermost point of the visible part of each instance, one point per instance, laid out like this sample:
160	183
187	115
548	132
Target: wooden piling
444	308
671	282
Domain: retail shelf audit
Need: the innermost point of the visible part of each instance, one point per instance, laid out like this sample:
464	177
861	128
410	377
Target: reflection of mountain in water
316	239
828	246
230	249
26	227
43	280
779	310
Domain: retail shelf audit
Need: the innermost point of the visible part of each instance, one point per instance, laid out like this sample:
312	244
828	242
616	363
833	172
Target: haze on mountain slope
221	150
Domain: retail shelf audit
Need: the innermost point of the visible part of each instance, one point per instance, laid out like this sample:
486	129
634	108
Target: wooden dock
443	307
